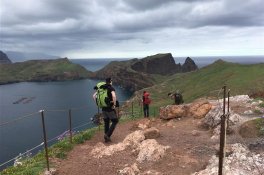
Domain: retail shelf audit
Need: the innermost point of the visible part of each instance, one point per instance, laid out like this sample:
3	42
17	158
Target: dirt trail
191	148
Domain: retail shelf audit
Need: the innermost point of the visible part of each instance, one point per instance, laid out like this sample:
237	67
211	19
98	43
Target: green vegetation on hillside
42	70
207	82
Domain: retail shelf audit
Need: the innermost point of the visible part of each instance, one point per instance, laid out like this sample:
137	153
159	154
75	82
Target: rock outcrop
189	65
136	74
163	64
240	162
197	109
4	58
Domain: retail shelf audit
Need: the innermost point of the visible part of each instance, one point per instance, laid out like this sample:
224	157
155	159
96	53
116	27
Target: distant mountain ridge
4	58
136	74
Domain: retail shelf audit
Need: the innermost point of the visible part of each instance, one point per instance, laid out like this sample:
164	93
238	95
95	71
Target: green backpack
102	98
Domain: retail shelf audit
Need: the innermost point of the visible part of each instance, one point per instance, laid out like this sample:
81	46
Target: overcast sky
133	28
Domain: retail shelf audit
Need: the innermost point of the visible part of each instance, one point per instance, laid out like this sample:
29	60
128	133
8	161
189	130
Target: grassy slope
241	79
27	70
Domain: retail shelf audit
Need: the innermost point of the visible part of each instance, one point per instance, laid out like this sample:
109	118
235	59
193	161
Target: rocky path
176	146
189	151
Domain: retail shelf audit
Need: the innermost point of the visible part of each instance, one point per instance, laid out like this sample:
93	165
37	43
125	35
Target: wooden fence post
45	138
222	137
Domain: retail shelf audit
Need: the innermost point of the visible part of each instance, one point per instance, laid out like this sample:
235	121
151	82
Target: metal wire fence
126	110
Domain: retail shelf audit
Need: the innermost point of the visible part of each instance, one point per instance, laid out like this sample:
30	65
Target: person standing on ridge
109	112
178	99
146	101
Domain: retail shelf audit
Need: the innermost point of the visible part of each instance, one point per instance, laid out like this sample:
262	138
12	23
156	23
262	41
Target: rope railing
20	155
17	119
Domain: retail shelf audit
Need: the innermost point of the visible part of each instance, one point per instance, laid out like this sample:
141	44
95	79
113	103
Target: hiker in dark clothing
146	101
178	99
109	112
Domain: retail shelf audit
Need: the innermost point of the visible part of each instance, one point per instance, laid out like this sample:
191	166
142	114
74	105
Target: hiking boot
106	138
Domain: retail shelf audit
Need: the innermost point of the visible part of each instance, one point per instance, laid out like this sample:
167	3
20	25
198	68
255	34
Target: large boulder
197	109
150	150
173	111
151	133
240	162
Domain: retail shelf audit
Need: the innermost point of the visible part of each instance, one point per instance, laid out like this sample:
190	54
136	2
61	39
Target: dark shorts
109	115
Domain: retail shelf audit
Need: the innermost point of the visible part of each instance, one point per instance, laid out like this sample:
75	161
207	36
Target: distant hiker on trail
178	99
105	98
146	101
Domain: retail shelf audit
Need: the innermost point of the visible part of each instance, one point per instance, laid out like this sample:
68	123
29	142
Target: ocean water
23	101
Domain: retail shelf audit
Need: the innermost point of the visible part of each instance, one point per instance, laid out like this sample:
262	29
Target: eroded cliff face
136	74
163	64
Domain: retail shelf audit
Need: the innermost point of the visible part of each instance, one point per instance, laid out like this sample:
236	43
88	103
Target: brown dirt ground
188	153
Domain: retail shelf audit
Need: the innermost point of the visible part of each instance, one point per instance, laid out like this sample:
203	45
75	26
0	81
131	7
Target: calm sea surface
56	98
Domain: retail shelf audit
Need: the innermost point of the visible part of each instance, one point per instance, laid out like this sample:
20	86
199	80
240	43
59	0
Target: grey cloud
232	13
42	11
151	4
64	24
193	15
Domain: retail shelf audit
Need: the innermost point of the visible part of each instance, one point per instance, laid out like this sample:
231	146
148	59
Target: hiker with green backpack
105	98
